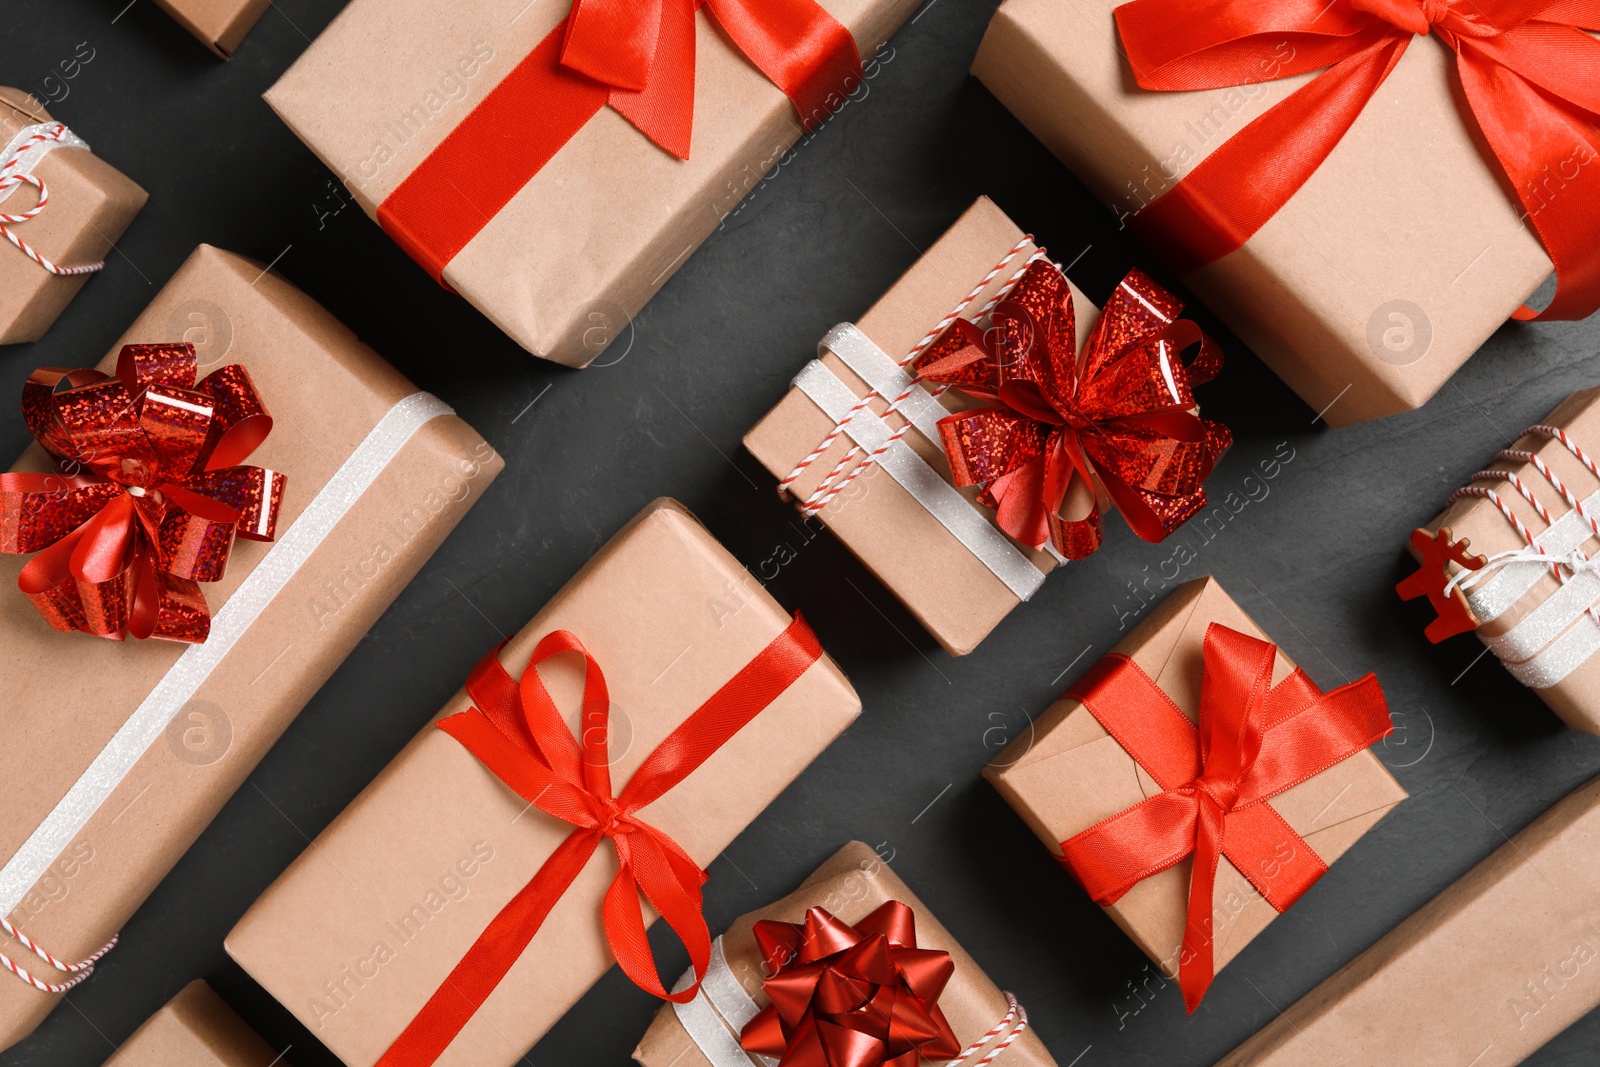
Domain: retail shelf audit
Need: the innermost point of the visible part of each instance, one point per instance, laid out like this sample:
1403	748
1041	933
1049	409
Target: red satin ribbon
636	55
1254	741
1529	73
851	996
1119	420
151	492
519	734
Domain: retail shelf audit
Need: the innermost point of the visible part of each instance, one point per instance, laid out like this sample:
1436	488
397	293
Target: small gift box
403	935
220	25
850	968
195	1029
1504	960
1197	783
62	208
1510	557
972	429
1363	230
479	136
264	573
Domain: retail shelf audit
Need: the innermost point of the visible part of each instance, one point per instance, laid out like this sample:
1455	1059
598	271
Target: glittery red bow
1120	421
149	496
851	996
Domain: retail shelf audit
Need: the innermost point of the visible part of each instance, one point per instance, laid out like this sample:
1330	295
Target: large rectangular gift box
1383	273
90	204
120	752
1070	774
358	934
852	885
195	1029
446	120
1535	615
1483	975
220	25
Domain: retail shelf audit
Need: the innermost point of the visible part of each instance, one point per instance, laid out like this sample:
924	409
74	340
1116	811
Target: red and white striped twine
1015	1021
79	971
10	179
1519	456
832	484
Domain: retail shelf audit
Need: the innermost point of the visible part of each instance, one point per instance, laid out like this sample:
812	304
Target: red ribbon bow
1529	72
1119	422
639	57
851	996
150	495
1254	741
515	729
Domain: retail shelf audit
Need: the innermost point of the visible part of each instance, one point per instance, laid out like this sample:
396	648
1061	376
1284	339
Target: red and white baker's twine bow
1561	566
833	484
10	179
1013	1025
78	971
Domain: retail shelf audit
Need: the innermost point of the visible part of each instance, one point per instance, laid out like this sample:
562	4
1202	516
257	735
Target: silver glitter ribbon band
18	164
714	1018
230	624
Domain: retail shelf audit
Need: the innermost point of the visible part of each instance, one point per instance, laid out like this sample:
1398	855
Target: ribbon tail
663	108
648	865
1196	959
801	49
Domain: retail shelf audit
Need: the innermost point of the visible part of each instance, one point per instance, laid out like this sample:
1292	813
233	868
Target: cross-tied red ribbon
639	57
851	996
1254	741
1119	420
515	729
1528	71
151	492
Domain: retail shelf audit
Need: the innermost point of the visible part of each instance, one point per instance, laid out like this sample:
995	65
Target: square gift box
90	204
1070	774
366	929
851	886
128	748
447	123
1531	592
220	25
195	1029
1387	269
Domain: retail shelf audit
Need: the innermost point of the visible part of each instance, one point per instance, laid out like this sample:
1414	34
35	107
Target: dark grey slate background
1314	560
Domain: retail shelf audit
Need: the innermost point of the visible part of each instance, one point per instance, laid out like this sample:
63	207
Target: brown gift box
1362	293
1482	976
1576	697
581	248
850	885
220	25
1070	774
326	391
91	204
195	1029
948	589
438	845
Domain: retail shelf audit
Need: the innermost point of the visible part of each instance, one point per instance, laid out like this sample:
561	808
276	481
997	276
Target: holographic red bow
1120	421
150	494
851	996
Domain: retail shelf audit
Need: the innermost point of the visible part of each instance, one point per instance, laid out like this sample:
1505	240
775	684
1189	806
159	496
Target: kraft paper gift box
90	204
1504	960
365	926
850	886
1534	622
195	1029
1070	774
1395	262
581	245
958	585
220	25
129	748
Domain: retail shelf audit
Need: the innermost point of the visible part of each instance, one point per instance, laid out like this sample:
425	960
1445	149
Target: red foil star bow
150	492
1254	740
851	996
1528	73
1118	424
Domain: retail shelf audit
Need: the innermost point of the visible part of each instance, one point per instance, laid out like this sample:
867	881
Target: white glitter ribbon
17	161
230	624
